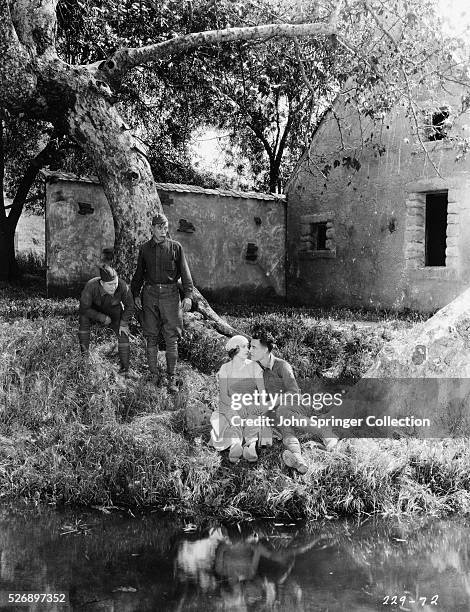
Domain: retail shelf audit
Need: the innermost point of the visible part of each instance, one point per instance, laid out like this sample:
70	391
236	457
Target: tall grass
73	432
32	262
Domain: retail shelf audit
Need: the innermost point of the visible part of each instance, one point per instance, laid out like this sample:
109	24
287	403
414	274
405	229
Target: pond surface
119	563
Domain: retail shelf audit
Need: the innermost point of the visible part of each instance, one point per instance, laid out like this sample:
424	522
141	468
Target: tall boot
124	352
171	360
84	340
152	358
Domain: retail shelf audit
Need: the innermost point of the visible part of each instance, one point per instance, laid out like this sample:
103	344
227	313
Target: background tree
270	95
24	148
83	99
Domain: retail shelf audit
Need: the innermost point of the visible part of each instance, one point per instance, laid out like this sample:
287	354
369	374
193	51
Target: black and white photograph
234	305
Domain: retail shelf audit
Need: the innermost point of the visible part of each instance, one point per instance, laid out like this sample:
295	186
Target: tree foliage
116	76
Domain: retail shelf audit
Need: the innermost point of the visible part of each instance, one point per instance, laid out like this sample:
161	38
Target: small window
318	236
85	208
251	252
435	229
438	128
186	226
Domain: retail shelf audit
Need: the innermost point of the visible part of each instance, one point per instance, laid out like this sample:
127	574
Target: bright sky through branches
208	150
456	15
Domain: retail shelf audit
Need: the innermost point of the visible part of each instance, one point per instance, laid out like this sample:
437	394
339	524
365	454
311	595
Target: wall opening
251	252
318	234
435	229
439	125
85	208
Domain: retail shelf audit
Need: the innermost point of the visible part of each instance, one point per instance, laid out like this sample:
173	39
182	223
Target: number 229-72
394	600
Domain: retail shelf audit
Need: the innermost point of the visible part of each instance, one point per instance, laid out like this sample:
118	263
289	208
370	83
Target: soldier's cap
159	219
107	274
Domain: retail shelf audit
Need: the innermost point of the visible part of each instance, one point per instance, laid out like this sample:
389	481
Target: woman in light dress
240	376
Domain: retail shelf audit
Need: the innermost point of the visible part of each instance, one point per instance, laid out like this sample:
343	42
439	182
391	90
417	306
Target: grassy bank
74	432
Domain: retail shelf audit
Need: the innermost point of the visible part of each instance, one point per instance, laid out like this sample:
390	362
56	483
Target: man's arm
288	379
138	278
86	306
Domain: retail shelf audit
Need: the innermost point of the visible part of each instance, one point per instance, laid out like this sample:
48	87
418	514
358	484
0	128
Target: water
118	563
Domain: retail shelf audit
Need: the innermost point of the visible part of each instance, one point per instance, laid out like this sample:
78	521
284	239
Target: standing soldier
108	300
160	264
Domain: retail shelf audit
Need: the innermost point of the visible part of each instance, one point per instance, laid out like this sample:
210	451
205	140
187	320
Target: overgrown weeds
73	432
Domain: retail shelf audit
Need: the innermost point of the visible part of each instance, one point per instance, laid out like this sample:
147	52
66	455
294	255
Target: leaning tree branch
123	60
38	162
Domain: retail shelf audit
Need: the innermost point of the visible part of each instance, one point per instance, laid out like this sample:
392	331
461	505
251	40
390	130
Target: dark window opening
318	235
84	208
439	127
435	229
251	252
186	227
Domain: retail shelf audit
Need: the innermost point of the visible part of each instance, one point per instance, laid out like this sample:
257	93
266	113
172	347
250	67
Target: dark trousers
162	312
114	312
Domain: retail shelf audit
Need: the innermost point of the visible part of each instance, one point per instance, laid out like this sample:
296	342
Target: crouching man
108	300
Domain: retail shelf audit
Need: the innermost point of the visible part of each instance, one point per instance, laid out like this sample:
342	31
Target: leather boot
124	353
84	340
152	359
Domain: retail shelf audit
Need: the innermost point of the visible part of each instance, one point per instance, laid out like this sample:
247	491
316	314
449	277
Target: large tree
78	100
76	93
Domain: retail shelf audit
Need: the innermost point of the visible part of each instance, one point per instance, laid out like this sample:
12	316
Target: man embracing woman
232	426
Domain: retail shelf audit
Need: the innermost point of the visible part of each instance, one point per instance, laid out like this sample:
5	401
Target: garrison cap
107	274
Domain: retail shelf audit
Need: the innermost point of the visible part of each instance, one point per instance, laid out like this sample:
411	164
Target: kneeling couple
235	424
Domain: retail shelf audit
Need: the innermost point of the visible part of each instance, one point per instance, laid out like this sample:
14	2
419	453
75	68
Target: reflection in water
244	572
111	563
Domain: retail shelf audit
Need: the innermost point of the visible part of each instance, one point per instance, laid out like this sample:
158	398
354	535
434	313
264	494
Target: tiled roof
229	193
52	176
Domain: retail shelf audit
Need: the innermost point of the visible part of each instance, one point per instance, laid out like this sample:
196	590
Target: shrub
32	262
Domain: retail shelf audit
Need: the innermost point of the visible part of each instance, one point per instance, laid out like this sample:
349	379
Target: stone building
377	218
234	241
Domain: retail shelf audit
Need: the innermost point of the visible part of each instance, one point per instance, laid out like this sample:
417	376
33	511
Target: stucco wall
372	225
223	228
75	242
216	249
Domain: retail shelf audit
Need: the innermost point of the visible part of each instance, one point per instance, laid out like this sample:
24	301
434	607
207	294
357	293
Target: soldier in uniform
108	300
160	264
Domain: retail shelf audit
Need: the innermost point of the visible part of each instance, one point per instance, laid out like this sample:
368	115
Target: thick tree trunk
9	270
274	169
122	168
